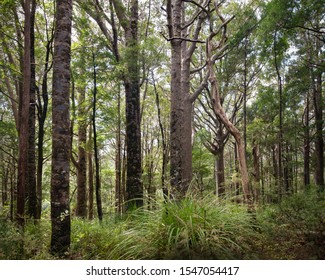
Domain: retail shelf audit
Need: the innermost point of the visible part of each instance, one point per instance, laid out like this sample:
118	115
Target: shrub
295	228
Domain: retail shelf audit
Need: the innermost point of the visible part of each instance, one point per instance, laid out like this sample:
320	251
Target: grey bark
61	139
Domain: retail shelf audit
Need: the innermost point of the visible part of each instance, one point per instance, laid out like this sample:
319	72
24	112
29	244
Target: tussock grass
194	228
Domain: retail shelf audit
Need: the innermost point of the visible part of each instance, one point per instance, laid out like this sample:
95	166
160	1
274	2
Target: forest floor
196	228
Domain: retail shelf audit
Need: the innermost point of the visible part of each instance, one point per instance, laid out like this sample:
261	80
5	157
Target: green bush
194	228
11	240
295	228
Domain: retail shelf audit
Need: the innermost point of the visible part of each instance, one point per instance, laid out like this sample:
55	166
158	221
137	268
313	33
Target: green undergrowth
195	228
190	229
294	229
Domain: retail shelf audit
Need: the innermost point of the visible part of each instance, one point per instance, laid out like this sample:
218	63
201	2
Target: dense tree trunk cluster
190	98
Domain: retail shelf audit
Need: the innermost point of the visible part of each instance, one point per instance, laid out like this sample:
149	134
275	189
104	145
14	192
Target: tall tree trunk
237	189
306	144
134	188
220	172
280	133
118	187
42	113
5	182
90	177
123	179
24	100
32	197
164	145
257	176
81	209
97	171
177	178
13	196
319	140
245	93
216	103
61	141
182	100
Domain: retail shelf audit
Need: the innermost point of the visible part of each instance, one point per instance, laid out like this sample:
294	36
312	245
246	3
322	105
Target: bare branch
183	39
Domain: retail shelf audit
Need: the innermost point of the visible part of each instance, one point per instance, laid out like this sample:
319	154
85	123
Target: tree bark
134	188
118	187
306	144
216	103
182	49
319	140
61	141
81	209
164	145
97	170
257	176
24	100
32	196
280	133
181	107
42	113
90	177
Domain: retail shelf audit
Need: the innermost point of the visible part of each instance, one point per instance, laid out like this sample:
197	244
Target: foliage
295	228
195	228
33	243
203	228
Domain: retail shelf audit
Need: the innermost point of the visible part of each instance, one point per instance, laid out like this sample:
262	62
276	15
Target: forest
170	129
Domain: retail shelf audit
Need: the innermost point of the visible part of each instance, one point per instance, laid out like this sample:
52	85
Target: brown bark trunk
220	172
280	133
32	198
97	170
164	146
24	100
5	183
134	188
256	165
81	209
237	188
182	49
42	113
90	177
216	103
306	144
13	196
118	187
179	182
123	179
319	140
61	141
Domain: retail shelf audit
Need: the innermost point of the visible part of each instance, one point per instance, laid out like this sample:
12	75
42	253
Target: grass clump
194	229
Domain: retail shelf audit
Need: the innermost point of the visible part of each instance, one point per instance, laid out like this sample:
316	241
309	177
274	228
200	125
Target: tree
42	109
24	100
81	210
96	156
128	20
182	50
134	189
61	139
214	50
32	195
